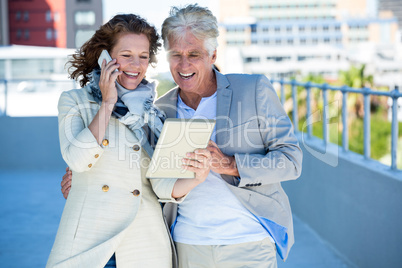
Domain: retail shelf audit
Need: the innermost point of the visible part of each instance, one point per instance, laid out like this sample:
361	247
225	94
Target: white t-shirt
211	214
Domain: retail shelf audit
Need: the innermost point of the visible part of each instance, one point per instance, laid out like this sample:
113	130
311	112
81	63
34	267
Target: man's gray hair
197	20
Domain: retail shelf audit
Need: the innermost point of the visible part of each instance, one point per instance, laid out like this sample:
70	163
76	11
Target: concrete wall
352	203
30	143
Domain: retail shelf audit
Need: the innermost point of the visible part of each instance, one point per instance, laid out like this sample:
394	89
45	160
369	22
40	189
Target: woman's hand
109	98
197	162
107	81
66	183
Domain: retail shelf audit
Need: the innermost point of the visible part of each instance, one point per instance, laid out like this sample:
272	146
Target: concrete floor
31	206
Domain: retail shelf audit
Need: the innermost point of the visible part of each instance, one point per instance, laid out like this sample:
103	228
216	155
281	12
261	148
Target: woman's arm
174	190
80	144
199	163
107	86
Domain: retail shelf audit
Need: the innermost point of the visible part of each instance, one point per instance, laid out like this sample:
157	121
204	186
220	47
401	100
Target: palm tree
356	77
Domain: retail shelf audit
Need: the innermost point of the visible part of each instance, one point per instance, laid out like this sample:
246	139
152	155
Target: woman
112	213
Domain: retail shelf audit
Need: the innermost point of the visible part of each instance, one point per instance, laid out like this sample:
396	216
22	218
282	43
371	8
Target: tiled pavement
31	206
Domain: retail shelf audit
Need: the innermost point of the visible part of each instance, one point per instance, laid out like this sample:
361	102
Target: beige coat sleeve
79	147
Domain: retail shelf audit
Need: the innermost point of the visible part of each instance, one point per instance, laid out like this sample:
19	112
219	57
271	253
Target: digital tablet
178	137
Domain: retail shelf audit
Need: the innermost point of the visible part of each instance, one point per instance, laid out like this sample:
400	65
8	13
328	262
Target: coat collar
224	101
89	97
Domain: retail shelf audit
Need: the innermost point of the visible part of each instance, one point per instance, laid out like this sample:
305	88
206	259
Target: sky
154	11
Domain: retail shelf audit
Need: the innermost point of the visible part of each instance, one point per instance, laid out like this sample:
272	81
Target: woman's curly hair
86	58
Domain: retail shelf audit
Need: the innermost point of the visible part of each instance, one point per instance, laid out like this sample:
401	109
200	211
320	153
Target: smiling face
191	66
132	53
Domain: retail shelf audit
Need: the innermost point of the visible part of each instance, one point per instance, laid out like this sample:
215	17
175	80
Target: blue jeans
111	263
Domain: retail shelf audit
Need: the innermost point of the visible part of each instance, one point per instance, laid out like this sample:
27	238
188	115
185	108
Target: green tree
356	77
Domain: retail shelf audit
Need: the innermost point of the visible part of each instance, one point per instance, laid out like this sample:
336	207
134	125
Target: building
53	23
4	22
287	38
83	18
392	5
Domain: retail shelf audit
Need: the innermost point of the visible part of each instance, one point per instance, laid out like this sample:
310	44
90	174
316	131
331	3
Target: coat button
97	155
90	165
105	188
136	147
105	142
136	192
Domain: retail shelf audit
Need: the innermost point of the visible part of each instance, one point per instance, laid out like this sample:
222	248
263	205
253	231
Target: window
290	41
265	29
18	15
313	28
56	16
288	28
301	28
325	28
26	16
48	16
55	34
303	41
26	34
81	36
19	34
277	29
49	34
252	59
84	18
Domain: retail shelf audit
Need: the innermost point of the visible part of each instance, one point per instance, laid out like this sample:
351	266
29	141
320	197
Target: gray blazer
253	126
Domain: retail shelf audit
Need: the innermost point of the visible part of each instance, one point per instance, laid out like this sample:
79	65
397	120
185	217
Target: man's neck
193	99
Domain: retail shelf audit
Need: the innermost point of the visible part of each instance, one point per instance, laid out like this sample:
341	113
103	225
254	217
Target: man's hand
66	183
221	163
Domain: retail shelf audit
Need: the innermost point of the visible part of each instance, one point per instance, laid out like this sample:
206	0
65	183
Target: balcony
347	206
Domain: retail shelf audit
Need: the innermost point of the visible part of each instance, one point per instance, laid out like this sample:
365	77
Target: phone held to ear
105	56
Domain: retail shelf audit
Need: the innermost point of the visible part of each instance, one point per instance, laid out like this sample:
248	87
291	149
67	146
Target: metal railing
366	92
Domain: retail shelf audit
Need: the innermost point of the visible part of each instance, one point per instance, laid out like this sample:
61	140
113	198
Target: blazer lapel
168	103
224	100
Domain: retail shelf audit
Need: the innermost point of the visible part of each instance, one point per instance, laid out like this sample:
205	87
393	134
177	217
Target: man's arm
283	158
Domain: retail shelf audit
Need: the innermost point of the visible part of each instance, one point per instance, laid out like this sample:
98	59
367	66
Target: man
239	216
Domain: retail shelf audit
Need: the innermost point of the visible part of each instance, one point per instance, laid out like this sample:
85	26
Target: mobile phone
104	56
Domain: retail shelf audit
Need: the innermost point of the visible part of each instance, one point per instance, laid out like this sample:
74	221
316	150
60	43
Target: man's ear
213	58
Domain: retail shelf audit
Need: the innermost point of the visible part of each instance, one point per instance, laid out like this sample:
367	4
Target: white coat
112	207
